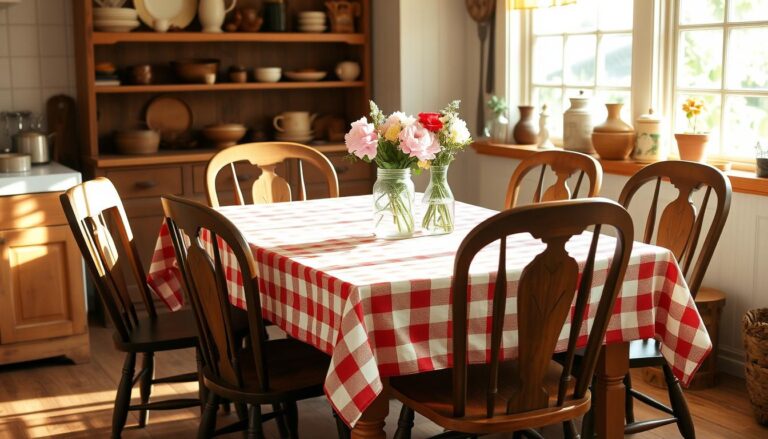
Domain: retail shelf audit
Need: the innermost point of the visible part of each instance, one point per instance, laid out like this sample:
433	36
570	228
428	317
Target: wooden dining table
381	308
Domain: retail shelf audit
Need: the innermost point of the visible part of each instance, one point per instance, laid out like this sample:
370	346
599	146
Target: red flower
431	121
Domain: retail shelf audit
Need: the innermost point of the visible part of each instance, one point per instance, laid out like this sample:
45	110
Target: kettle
34	143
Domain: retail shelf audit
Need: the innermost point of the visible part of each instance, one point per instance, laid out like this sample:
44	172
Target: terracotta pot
613	124
692	147
525	132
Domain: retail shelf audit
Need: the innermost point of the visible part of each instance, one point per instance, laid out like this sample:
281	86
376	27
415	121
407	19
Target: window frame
722	92
653	57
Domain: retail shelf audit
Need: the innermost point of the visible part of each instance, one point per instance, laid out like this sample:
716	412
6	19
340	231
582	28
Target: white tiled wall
37	54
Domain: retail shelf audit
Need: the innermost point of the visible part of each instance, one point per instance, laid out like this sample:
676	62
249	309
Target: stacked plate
295	136
115	19
312	21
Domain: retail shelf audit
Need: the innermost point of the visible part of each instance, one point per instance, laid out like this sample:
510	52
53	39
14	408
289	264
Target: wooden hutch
141	180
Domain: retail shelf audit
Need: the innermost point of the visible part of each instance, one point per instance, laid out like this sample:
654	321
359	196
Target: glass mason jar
393	199
438	203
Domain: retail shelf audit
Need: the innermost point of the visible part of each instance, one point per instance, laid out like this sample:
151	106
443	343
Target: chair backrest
680	225
564	164
205	280
545	292
98	221
269	187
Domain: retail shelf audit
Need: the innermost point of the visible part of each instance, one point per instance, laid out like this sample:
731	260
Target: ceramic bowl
196	71
224	135
312	20
137	141
268	74
613	146
314	29
110	25
312	14
115	13
306	75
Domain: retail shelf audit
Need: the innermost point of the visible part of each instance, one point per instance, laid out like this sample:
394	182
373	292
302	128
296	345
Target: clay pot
525	132
692	147
613	124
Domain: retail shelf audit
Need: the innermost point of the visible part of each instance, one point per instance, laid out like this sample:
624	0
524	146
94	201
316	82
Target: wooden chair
564	164
532	390
278	372
679	228
97	219
269	187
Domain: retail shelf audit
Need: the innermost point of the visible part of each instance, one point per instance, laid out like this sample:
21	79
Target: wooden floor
53	398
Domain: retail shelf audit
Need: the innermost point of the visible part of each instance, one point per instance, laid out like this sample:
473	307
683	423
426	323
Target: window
586	46
721	56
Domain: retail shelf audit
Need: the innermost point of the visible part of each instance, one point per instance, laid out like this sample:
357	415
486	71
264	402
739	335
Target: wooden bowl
613	146
137	142
196	71
224	135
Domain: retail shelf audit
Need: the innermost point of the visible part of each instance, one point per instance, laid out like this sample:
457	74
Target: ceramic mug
294	122
348	70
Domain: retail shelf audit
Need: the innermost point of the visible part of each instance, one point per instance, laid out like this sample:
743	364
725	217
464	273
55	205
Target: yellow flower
392	132
423	164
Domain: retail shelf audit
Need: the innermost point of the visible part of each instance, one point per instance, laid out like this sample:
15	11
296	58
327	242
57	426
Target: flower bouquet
399	144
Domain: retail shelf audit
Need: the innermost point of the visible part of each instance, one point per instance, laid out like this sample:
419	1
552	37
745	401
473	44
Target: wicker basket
755	332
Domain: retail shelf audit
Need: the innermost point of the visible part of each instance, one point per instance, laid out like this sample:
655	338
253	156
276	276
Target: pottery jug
649	145
347	70
613	124
577	126
525	132
294	122
211	14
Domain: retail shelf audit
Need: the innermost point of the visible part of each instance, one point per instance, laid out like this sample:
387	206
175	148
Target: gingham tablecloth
381	308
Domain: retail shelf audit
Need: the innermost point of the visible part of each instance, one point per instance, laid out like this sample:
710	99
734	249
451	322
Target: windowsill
741	181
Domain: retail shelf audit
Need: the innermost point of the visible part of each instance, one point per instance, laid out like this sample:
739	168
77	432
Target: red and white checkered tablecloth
381	308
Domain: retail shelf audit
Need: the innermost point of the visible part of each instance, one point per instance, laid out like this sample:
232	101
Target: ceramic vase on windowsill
692	147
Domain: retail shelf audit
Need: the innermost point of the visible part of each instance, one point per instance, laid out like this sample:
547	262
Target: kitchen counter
52	177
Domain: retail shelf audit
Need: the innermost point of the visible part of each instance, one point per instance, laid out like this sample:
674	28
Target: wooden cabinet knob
146	184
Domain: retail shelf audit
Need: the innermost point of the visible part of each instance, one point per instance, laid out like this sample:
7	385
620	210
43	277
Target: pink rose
362	139
419	142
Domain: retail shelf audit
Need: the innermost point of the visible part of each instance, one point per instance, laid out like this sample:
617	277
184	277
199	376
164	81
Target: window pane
746	122
580	60
615	60
602	97
699	59
548	60
615	15
702	11
748	59
551	20
748	10
553	98
582	18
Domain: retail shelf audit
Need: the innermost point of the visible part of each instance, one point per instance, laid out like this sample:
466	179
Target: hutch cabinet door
41	285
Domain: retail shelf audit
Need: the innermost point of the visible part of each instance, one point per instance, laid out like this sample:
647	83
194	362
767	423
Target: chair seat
645	353
296	371
176	330
431	394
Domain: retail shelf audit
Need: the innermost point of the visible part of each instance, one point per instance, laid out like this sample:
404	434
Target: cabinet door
41	275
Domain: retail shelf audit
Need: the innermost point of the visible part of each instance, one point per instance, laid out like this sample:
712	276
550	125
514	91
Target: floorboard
54	398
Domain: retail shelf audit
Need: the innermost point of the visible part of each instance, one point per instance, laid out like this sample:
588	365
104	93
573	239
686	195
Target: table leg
608	397
371	424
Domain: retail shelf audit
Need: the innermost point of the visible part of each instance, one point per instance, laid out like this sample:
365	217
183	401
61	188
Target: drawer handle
146	184
341	169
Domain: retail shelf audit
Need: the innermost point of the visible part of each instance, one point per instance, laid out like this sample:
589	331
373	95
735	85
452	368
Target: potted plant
692	145
499	126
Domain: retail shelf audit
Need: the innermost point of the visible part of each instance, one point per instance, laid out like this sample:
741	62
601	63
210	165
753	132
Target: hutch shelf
140	180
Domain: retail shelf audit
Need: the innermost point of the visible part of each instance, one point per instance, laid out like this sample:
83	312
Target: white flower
458	132
404	119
